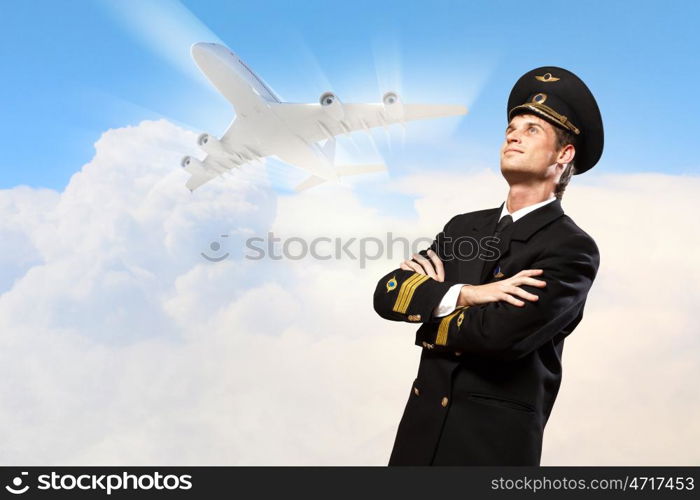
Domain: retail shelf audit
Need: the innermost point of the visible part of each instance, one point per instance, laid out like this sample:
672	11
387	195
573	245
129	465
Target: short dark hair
563	138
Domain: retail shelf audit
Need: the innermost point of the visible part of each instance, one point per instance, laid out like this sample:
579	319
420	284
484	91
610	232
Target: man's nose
513	136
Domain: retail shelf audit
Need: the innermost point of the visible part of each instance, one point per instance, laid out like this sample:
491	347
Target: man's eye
532	129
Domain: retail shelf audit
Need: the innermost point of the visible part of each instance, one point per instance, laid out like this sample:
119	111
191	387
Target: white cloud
122	344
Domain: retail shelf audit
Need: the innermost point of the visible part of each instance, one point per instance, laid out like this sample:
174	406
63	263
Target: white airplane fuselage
265	126
264	131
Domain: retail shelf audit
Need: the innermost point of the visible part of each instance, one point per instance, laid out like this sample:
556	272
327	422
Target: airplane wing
313	123
201	171
231	152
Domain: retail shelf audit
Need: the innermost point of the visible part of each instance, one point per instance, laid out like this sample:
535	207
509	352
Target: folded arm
414	291
506	330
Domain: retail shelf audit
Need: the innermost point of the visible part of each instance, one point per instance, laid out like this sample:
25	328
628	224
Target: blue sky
106	284
72	70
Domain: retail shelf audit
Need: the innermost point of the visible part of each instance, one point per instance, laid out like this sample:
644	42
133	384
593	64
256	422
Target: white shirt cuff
448	302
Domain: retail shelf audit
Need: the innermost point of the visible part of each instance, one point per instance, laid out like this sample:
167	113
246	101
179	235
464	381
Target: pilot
494	313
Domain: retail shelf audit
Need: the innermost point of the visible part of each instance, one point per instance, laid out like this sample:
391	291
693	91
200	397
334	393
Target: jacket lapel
525	227
483	227
520	230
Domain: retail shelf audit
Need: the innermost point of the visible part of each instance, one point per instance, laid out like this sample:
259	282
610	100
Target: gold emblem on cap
391	284
547	77
539	98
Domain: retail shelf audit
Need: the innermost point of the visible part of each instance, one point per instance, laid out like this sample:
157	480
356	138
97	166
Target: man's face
529	150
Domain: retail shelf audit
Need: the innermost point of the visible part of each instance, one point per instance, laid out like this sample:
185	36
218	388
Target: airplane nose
198	49
207	51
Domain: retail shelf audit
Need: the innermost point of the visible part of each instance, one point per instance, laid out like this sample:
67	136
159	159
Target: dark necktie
505	221
489	265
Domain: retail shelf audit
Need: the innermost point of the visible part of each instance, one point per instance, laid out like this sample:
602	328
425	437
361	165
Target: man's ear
567	153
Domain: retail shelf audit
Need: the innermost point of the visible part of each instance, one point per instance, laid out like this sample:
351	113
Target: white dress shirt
449	300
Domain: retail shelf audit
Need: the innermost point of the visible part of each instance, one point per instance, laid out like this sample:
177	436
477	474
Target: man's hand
505	290
432	267
472	295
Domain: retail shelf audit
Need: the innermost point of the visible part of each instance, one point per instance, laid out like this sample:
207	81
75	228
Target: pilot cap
561	98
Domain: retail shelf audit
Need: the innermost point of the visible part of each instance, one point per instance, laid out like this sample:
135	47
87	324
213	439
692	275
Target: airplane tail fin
360	169
341	170
312	181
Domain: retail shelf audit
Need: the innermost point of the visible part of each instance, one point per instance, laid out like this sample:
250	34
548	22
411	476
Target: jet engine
390	98
192	165
393	108
332	105
211	145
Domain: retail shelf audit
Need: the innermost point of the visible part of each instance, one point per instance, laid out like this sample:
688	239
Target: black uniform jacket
489	374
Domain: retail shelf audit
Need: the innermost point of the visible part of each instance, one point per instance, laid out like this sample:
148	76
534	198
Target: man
499	291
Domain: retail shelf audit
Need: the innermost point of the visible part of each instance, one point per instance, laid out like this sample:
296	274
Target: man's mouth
512	150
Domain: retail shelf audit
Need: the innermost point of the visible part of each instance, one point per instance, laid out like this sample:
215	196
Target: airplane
265	126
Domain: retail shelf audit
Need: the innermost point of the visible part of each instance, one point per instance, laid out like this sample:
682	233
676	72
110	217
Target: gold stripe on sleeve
406	292
402	290
444	327
411	291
